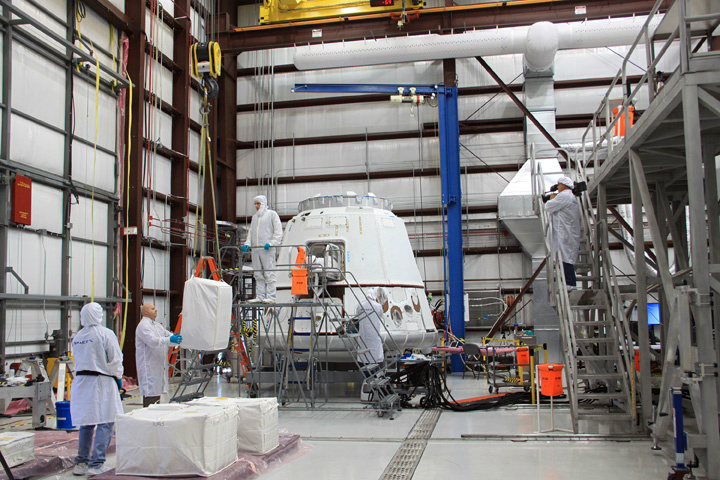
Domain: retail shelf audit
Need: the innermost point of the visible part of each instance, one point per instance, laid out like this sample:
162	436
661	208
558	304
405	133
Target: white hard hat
567	181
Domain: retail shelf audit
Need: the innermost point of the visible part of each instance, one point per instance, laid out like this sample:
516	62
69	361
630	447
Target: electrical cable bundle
432	377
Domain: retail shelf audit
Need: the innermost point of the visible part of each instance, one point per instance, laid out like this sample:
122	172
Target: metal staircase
597	348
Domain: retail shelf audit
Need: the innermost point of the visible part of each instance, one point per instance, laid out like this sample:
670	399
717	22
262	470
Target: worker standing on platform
565	217
95	392
151	355
265	231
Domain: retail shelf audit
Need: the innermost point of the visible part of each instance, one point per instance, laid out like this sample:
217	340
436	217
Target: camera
576	190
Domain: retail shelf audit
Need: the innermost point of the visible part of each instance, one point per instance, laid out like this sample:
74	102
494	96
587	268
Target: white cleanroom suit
265	228
565	216
94	394
370	313
151	357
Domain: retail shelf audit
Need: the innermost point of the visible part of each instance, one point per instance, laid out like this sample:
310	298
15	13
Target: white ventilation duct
538	42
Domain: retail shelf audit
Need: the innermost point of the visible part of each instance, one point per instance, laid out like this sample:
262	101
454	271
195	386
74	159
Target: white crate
17	447
207	312
257	421
162	441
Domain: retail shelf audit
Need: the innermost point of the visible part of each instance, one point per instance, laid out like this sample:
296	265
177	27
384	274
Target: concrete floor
357	444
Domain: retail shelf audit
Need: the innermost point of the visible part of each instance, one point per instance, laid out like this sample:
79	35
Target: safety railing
607	138
557	291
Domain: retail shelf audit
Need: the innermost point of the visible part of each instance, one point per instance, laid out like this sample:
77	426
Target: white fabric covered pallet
176	439
17	447
257	420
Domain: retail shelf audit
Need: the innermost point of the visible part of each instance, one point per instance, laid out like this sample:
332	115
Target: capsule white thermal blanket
207	311
196	440
257	421
17	447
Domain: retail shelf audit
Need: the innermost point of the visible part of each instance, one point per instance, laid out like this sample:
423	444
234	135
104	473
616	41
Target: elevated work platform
665	169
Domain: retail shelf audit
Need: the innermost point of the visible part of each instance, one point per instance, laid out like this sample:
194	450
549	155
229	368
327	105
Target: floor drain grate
406	459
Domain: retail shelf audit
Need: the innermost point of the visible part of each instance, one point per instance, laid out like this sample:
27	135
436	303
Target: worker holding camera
565	217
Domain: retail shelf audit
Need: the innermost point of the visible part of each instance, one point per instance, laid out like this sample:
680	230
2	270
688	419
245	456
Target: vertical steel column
452	205
65	309
180	208
227	121
133	203
701	277
641	292
713	213
4	180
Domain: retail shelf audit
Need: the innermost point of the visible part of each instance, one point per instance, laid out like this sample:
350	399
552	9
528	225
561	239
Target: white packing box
17	447
257	421
162	441
206	315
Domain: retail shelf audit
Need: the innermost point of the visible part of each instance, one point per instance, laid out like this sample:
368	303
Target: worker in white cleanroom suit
265	232
151	355
94	395
565	217
370	314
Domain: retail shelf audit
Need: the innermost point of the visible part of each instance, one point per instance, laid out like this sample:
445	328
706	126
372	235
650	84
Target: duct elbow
541	44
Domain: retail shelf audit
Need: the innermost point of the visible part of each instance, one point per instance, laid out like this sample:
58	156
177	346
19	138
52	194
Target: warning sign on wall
21	200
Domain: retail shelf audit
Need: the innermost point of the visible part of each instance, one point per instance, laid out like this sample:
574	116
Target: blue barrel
64	422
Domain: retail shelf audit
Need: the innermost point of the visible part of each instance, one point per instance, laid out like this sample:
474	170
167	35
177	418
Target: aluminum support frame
706	354
641	289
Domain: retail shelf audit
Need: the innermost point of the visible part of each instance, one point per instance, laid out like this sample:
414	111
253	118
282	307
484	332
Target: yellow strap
79	19
92	195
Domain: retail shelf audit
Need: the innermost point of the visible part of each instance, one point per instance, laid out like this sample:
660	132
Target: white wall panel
37	259
159	33
88	169
159	80
90	219
38	86
159	168
195	104
481	271
161	128
57	7
47	212
119	4
193	187
160	212
97	30
194	146
404	193
156	269
197	23
84	111
81	279
30	324
36	145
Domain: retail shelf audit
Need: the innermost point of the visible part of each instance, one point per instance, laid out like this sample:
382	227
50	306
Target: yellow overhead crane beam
275	11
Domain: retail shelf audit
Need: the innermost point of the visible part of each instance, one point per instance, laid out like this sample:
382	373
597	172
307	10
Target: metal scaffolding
665	168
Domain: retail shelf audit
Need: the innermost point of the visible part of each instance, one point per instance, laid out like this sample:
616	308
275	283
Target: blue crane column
449	132
452	206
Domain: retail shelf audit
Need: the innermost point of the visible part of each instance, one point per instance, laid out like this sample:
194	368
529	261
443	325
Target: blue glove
119	383
245	248
267	246
176	339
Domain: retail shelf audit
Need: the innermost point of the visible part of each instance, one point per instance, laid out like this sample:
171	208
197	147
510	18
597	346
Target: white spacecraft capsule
360	244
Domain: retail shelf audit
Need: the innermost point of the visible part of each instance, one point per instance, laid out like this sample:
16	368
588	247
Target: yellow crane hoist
206	64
